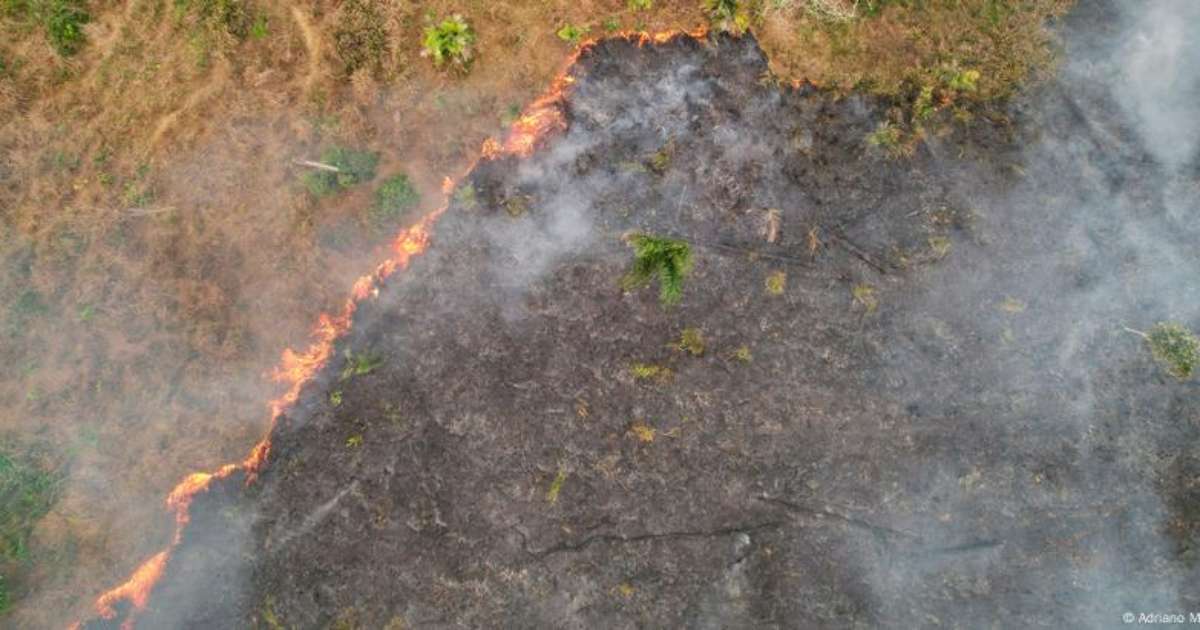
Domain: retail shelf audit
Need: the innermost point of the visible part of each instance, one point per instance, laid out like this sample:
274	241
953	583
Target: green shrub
667	259
64	22
354	167
450	42
572	34
396	196
1176	348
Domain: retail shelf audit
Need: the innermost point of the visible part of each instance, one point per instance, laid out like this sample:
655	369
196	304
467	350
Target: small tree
1174	346
668	259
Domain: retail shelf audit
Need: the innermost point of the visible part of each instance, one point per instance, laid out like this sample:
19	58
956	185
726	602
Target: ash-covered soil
939	420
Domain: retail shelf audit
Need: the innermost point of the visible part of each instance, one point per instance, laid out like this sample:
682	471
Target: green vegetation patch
669	260
1176	348
358	364
572	34
353	167
396	196
450	43
28	489
61	20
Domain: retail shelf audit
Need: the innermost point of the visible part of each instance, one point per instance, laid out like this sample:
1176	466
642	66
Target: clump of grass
354	441
395	197
230	16
360	38
776	282
465	197
61	20
889	137
261	27
863	295
661	160
962	80
358	364
556	486
354	167
743	355
669	260
692	341
649	371
643	432
639	5
939	246
516	205
572	34
1173	346
451	42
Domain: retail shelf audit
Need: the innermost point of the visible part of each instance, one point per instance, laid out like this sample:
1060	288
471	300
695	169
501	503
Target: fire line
541	118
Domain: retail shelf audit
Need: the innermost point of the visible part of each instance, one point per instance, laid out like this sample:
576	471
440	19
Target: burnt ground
974	441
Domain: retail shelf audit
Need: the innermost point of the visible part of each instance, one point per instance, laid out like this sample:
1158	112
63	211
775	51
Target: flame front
295	369
544	116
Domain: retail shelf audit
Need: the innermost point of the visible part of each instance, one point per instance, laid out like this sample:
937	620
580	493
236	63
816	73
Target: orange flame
540	118
295	369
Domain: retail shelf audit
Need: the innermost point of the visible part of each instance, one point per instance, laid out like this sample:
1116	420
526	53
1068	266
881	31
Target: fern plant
667	259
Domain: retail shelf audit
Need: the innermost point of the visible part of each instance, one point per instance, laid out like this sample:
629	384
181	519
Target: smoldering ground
939	419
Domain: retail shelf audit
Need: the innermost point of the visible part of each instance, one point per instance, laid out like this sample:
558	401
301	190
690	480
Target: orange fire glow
542	117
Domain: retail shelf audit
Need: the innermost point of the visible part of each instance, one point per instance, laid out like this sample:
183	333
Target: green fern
667	259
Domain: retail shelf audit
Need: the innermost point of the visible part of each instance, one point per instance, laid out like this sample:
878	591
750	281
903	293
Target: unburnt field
160	246
896	392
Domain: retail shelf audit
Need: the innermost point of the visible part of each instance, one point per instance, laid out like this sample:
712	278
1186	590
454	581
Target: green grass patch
572	34
360	363
62	21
